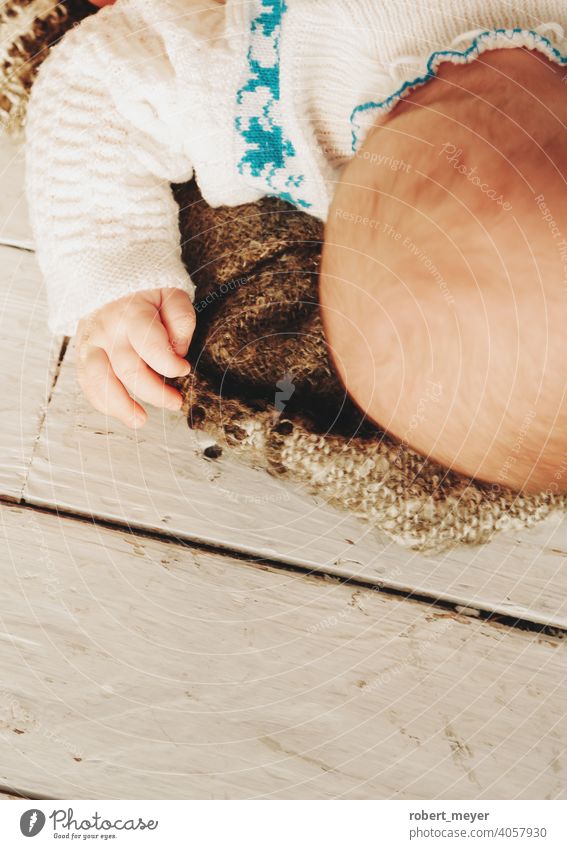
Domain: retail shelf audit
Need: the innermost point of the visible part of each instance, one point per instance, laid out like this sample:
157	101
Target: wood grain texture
158	478
15	228
29	361
136	668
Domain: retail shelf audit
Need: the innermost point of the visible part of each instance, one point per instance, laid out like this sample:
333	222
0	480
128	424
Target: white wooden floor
178	627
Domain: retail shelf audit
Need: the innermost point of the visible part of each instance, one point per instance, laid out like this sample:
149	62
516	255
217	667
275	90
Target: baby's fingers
105	392
150	340
178	317
142	381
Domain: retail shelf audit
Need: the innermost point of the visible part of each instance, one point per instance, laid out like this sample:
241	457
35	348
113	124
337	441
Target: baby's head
444	275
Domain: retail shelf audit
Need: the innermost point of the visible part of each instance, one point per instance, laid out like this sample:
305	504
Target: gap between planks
29	358
258	561
56	369
10	794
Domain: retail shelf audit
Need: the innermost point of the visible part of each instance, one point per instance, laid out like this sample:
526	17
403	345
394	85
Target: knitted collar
365	114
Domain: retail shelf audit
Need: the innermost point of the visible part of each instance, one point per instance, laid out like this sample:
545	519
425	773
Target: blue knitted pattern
269	158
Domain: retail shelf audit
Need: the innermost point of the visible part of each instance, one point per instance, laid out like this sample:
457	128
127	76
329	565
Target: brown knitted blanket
262	383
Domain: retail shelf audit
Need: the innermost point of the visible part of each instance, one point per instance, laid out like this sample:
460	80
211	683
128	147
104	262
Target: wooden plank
15	227
158	478
29	356
137	668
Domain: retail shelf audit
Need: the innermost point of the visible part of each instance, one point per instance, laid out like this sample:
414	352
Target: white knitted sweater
256	97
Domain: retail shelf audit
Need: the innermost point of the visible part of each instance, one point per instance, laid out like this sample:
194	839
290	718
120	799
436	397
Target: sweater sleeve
104	140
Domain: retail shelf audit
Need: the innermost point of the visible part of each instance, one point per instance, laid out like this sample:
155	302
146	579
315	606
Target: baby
433	143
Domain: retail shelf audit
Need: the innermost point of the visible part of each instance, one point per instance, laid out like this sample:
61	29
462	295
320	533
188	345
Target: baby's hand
127	345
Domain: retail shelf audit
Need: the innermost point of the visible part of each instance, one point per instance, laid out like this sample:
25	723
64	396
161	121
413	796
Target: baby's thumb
178	318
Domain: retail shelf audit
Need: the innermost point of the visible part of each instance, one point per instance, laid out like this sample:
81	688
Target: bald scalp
444	294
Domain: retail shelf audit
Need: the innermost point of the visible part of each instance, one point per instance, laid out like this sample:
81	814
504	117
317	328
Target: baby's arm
104	142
